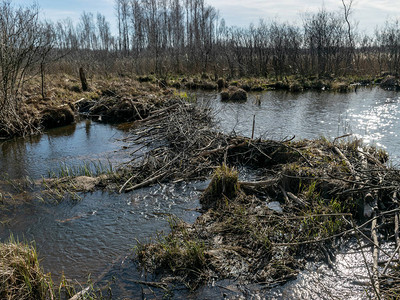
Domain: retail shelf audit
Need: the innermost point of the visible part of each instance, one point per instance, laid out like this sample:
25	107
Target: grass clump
90	169
179	253
68	180
234	93
21	277
223	186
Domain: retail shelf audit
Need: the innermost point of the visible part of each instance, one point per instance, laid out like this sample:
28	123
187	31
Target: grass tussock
179	252
223	186
21	277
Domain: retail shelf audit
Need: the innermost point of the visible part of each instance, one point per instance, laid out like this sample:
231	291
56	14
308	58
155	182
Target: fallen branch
146	182
375	254
255	184
345	159
296	199
159	285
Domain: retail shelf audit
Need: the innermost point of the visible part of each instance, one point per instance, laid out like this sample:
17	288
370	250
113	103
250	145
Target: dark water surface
94	235
83	142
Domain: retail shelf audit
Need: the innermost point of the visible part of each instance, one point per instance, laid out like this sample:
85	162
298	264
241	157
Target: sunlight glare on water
371	114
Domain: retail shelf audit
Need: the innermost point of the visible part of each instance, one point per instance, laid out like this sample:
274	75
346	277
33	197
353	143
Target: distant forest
189	37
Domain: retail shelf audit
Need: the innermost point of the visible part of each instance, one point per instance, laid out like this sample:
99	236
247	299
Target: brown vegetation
233	94
57	116
20	274
324	190
164	38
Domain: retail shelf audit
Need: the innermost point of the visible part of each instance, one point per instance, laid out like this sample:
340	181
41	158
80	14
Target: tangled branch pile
123	101
178	143
322	192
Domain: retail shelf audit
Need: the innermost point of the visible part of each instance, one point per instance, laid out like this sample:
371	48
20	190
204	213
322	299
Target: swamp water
95	235
370	113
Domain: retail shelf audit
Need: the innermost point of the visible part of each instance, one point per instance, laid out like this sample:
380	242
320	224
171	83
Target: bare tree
48	38
122	11
323	38
347	10
104	32
388	40
22	38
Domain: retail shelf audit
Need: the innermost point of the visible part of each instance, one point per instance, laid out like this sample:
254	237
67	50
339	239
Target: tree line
189	36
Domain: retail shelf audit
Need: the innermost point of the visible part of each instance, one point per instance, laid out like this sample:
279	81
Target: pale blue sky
369	13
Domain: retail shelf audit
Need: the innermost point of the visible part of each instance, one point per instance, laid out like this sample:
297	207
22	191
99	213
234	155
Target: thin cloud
368	13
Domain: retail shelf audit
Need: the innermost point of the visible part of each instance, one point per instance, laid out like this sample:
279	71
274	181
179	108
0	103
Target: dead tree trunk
84	83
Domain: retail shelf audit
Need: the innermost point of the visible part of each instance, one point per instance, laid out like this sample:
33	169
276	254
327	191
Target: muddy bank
288	83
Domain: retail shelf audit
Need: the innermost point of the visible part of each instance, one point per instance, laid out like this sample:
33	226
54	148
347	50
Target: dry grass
22	278
20	274
63	91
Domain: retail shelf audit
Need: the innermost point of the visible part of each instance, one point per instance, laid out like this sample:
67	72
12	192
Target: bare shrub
23	44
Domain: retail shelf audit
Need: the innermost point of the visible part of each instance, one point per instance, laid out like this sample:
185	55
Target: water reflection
88	125
62	131
86	237
74	144
371	114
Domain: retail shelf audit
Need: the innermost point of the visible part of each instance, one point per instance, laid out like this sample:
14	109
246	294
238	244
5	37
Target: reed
86	168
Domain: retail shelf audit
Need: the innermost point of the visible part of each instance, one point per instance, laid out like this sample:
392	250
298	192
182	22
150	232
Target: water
95	235
86	237
371	114
71	145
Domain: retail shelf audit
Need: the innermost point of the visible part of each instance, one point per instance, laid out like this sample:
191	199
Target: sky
367	13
